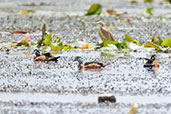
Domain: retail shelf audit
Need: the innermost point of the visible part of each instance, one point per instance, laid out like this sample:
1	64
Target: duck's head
78	58
154	57
36	53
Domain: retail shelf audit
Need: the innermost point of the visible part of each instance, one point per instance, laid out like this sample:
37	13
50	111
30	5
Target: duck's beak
158	58
32	53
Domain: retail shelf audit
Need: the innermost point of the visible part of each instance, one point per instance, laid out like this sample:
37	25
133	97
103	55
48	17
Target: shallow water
60	87
77	98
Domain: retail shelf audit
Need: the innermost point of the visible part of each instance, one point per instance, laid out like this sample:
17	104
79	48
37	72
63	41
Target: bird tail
106	64
148	66
54	58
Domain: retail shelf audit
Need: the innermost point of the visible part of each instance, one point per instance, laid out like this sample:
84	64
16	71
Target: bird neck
37	54
79	61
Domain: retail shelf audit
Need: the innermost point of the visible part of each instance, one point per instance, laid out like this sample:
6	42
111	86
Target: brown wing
107	33
156	64
40	58
92	66
103	38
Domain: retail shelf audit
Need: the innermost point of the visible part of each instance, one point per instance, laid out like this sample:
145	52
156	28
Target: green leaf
57	40
120	46
107	54
45	47
48	40
166	1
151	44
28	11
68	47
38	42
33	43
105	43
148	1
60	43
134	1
56	48
127	54
128	38
148	11
157	40
94	9
166	42
25	43
124	44
55	53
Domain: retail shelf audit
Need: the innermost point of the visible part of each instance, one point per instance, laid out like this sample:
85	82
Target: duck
151	63
44	57
93	65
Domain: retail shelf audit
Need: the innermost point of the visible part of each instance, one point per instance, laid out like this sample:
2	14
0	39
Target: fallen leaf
123	45
134	108
44	47
107	54
19	32
134	2
28	11
94	9
148	1
111	27
68	47
48	39
167	42
55	53
26	41
27	54
148	11
157	40
57	40
151	44
60	43
167	1
86	46
112	12
130	39
128	20
56	48
113	44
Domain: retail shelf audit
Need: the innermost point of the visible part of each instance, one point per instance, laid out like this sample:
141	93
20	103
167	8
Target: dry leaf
28	11
113	12
27	54
128	20
111	27
86	46
26	41
19	32
134	108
